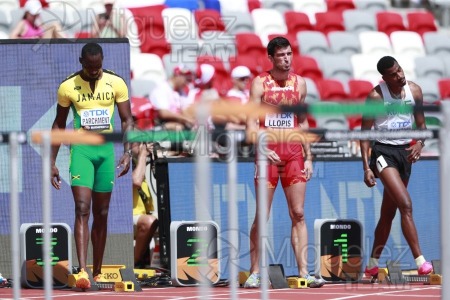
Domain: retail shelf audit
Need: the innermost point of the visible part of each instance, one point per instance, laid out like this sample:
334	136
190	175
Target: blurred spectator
239	93
31	26
111	23
166	98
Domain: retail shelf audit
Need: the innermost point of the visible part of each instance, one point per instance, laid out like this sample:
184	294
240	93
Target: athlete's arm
138	174
127	123
18	30
366	124
419	119
58	124
304	125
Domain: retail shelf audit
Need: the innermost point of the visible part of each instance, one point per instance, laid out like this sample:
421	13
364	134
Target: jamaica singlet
93	110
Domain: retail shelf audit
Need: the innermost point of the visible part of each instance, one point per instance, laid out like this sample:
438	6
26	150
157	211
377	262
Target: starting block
142	274
124	286
112	275
395	275
297	283
243	275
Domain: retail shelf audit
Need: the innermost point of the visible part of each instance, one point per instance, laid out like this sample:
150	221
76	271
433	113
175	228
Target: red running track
328	292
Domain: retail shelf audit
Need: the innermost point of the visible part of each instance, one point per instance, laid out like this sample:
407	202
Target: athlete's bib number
381	163
95	119
283	120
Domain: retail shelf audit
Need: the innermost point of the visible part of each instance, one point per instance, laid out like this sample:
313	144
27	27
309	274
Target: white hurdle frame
444	158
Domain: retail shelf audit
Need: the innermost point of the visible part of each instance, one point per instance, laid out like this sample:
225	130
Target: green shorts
93	166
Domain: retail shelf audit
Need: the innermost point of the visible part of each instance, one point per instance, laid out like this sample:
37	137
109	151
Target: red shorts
290	171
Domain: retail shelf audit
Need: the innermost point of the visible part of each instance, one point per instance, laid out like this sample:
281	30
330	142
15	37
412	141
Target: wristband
421	142
129	152
369	169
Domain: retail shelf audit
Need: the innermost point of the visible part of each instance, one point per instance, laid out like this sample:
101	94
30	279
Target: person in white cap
166	98
240	77
111	23
31	27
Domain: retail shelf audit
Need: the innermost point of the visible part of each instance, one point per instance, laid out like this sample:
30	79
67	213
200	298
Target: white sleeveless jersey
395	121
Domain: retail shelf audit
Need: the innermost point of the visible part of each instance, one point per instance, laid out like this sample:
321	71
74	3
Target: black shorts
395	156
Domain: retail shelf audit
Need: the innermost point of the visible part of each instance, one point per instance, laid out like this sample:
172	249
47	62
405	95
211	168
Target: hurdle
444	167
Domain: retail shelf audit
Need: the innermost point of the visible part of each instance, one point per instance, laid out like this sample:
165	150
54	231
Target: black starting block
395	275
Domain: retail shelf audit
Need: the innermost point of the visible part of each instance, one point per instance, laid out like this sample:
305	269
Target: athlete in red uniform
290	162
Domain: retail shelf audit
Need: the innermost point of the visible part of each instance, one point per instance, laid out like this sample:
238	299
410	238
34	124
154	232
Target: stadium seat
331	90
407	43
137	3
446	60
84	19
329	21
191	5
5	22
219	44
268	21
292	40
143	113
310	7
222	79
312	43
151	32
170	62
389	21
358	20
256	66
142	87
306	66
430	89
437	43
212	4
312	94
375	5
82	34
430	66
253	4
233	6
336	66
280	5
64	5
208	20
238	22
185	24
408	65
354	122
421	21
340	5
359	89
249	44
375	42
444	88
332	122
147	66
297	21
365	67
312	123
94	5
344	42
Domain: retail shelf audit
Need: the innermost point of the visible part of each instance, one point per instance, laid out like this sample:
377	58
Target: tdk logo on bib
95	113
283	120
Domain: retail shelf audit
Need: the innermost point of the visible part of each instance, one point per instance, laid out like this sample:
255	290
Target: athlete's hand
124	163
414	155
273	158
55	179
308	169
369	178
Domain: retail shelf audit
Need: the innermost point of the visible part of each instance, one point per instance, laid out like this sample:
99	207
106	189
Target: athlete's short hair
276	43
91	49
385	63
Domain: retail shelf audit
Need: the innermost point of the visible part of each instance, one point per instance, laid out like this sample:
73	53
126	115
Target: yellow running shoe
83	281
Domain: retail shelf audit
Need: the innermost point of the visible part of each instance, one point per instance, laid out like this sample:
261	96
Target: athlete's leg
82	198
399	194
100	208
383	229
254	241
295	196
145	229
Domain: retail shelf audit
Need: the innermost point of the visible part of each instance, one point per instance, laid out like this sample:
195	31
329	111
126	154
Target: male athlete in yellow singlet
92	93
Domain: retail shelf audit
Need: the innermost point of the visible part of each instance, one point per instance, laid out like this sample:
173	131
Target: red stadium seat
208	20
143	112
421	21
151	32
297	21
331	90
354	122
256	65
252	4
307	66
359	89
389	22
444	88
249	43
329	21
340	5
222	79
292	39
311	121
82	34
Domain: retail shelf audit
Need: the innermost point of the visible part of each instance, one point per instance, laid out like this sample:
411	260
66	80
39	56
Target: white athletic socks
373	262
419	261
